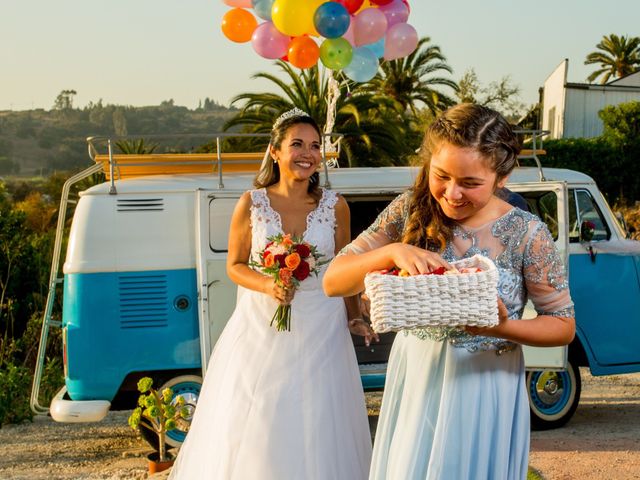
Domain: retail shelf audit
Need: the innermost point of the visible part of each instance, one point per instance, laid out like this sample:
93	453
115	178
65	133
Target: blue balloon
263	8
377	48
363	66
331	20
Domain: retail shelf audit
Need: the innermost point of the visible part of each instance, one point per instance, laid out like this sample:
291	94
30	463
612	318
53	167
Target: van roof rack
535	137
117	166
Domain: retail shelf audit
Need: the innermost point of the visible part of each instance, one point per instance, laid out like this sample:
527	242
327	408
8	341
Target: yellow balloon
314	4
365	4
294	17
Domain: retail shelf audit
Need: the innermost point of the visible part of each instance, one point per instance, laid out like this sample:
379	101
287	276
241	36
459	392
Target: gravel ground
602	441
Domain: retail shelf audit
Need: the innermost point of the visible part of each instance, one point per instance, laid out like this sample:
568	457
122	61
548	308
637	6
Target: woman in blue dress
455	402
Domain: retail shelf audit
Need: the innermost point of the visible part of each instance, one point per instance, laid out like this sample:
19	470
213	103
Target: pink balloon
348	35
238	3
369	26
396	12
401	40
268	42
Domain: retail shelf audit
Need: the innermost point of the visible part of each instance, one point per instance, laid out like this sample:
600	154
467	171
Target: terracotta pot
156	466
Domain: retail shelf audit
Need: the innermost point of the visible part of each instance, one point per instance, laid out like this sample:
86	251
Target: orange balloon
303	52
238	25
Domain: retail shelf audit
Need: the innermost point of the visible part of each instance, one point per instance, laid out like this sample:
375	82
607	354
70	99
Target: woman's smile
461	182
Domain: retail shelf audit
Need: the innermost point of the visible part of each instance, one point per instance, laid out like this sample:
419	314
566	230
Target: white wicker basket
399	303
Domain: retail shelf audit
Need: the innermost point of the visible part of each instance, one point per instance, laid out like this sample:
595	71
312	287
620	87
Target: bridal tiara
293	113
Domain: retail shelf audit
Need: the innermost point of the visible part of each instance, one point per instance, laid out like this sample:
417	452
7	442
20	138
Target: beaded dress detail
456	405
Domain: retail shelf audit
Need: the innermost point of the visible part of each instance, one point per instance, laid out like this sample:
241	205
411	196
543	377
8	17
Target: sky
142	52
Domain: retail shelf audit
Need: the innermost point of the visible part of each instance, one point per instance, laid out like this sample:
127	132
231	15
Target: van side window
545	206
583	208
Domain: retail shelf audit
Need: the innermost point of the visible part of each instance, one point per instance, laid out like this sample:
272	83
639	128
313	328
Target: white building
570	110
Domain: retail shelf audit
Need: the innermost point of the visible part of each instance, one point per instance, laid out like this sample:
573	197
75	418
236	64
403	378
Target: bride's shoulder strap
329	198
258	197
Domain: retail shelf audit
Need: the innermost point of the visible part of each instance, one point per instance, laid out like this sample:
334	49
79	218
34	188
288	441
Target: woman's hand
283	295
415	260
498	330
357	326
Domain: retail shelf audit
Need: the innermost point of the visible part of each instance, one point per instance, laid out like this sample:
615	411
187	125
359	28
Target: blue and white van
145	291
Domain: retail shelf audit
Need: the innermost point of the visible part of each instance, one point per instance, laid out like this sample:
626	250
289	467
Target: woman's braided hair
466	126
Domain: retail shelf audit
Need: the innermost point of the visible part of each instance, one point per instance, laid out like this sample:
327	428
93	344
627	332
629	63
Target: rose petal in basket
399	303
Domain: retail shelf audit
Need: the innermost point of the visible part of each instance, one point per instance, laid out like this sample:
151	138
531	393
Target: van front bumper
65	410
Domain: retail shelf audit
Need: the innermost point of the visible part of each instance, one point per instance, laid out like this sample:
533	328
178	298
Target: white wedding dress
282	405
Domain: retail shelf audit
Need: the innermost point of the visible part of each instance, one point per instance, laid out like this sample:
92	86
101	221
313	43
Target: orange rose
269	260
285	276
292	261
286	241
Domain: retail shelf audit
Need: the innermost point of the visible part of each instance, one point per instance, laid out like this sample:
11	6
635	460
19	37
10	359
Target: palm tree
372	135
617	57
415	80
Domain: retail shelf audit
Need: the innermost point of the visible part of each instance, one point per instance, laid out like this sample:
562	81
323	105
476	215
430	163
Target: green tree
416	80
119	121
64	100
368	120
622	133
136	146
617	56
622	123
17	281
502	95
8	166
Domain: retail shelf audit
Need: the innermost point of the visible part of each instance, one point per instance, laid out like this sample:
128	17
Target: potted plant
157	411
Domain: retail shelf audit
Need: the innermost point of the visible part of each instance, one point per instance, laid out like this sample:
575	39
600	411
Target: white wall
582	105
553	100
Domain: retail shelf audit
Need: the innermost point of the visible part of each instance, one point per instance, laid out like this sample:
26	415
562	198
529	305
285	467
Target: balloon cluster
352	35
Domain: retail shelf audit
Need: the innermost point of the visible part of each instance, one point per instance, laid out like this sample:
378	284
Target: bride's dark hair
270	171
467	126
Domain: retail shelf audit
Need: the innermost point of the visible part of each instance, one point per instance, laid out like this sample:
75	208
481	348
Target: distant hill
39	142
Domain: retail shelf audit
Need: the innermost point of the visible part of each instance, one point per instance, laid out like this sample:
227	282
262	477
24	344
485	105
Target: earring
275	161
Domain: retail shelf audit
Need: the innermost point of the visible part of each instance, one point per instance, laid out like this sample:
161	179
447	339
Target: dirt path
602	441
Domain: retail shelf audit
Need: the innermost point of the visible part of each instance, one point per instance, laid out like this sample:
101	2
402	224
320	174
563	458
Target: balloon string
333	94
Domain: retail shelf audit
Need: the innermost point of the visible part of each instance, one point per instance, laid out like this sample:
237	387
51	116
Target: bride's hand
357	326
283	295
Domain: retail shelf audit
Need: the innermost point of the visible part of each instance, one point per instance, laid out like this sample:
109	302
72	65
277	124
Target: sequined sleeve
544	274
387	228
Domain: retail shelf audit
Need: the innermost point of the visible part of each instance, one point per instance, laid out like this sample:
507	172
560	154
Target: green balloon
335	53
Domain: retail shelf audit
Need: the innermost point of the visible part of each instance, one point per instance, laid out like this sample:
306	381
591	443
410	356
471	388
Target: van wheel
189	387
553	396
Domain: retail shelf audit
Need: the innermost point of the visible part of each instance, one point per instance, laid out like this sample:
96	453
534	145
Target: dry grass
631	215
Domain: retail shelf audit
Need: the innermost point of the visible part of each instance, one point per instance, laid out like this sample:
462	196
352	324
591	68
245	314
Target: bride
283	405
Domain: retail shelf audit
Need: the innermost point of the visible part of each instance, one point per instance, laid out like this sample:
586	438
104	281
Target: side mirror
587	229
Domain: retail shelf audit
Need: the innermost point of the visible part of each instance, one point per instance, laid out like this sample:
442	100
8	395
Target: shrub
15	387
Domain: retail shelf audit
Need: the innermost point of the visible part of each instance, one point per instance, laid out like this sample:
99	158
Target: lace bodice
520	245
320	229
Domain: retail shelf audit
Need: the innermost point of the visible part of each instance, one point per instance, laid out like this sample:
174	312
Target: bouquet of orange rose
289	260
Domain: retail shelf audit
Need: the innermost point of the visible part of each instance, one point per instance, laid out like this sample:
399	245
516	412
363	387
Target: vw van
145	290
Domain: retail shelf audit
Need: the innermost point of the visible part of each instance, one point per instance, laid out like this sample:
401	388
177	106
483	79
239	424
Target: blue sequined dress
455	406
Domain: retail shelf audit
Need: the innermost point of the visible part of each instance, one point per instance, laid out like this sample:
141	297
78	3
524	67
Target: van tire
553	396
189	387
